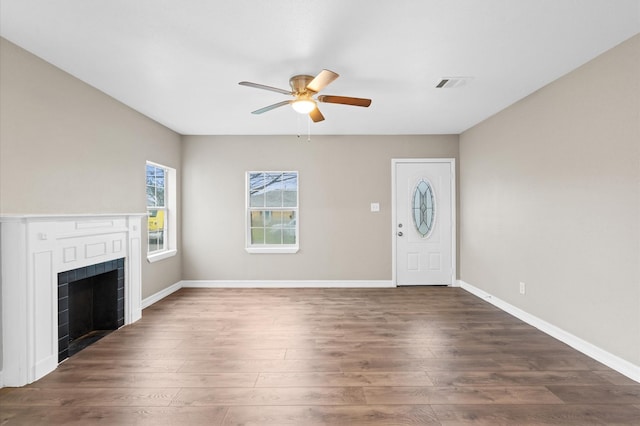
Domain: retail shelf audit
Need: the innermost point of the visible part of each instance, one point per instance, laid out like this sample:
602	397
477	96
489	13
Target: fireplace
39	254
90	305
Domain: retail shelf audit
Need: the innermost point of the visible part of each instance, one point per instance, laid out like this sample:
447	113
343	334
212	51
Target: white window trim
272	250
160	255
269	248
171	222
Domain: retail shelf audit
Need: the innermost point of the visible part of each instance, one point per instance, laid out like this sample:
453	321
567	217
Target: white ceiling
180	61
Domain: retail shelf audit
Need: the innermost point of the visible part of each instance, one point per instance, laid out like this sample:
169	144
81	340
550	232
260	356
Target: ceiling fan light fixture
303	106
303	89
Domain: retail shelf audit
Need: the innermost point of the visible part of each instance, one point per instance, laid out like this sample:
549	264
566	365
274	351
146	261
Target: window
161	208
272	212
423	208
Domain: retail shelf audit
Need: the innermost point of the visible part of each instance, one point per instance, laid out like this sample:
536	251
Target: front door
424	221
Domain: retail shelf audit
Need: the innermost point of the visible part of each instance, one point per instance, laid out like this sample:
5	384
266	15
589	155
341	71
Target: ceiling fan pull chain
308	129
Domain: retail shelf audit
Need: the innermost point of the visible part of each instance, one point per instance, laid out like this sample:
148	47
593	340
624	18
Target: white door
424	222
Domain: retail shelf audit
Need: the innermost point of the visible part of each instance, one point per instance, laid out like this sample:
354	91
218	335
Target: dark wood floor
405	356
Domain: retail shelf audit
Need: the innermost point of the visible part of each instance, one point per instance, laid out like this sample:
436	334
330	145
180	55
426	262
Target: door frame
454	223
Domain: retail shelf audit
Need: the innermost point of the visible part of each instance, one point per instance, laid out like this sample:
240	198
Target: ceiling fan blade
322	80
262	86
345	100
316	115
270	107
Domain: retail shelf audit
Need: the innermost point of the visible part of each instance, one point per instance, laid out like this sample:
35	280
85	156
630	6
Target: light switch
375	207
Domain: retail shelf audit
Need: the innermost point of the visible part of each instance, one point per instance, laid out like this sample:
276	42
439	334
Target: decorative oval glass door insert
423	208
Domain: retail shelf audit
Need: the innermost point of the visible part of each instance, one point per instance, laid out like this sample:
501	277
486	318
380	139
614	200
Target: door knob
400	234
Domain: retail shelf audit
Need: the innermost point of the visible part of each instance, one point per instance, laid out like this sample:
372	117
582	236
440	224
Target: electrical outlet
523	288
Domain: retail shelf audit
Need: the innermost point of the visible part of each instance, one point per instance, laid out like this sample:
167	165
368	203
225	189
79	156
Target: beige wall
340	176
550	196
66	147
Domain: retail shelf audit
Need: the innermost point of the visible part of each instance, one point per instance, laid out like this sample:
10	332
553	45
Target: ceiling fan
303	89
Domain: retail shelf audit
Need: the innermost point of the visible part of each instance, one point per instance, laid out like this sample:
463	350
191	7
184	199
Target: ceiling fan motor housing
299	83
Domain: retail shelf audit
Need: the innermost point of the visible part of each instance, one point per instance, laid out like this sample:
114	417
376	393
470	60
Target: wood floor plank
141	341
269	396
342	379
615	378
516	378
354	415
611	394
493	352
89	397
460	395
345	353
179	354
130	366
394	364
139	416
573	361
257	366
537	414
148	380
266	342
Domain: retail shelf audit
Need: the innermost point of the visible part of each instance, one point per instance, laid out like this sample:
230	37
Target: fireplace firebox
90	305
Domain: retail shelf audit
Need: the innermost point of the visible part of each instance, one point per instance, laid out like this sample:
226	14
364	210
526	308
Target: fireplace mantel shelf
39	217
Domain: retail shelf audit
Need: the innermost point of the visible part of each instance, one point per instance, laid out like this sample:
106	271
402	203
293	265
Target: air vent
453	82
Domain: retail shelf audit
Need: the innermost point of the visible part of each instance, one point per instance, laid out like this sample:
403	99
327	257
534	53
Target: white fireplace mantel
33	250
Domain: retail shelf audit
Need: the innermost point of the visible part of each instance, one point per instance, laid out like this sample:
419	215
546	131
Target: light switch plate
375	207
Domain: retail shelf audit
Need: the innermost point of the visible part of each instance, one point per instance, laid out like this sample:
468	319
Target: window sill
272	250
151	258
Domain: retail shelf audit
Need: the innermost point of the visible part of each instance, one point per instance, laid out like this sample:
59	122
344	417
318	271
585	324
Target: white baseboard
1	380
287	283
161	295
610	360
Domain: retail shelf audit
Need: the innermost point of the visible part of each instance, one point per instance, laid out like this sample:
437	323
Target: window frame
170	213
270	248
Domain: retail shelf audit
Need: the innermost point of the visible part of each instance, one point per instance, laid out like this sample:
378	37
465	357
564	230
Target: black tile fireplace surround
90	305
